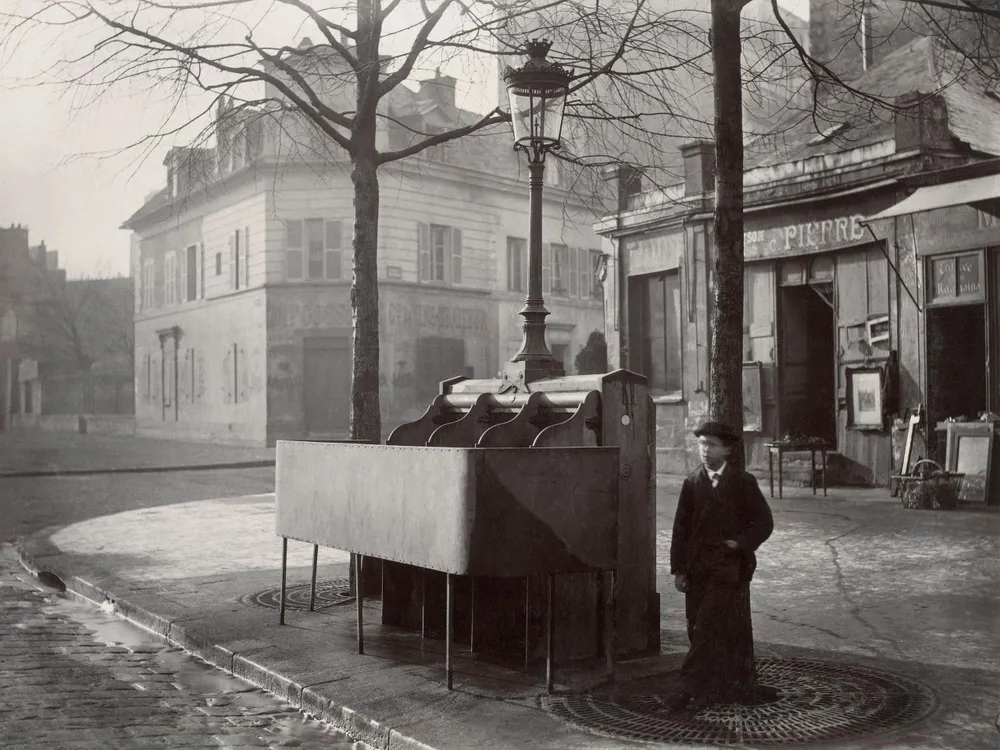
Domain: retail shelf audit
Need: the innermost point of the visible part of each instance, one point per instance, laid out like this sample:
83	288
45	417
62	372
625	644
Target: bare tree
643	77
80	322
340	88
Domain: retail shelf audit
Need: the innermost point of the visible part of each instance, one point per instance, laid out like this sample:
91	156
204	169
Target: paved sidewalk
852	581
40	452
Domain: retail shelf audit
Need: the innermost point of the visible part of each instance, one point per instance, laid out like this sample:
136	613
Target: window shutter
334	233
182	271
546	268
232	260
246	257
294	260
201	271
424	250
588	272
574	287
456	256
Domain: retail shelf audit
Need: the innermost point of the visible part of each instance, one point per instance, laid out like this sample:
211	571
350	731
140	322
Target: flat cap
720	430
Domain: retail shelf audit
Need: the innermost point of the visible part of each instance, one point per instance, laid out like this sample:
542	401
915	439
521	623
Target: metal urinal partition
478	609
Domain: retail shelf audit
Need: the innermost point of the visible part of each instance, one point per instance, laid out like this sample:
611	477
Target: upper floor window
440	253
560	270
148	283
192	271
169	278
517	264
570	272
239	259
313	250
588	275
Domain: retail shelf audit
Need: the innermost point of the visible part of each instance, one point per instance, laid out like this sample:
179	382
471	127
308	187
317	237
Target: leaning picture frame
864	398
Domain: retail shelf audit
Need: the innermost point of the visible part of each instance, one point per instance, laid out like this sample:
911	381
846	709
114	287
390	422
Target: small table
786	446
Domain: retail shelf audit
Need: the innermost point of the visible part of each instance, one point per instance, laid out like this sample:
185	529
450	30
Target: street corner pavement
216	537
53	453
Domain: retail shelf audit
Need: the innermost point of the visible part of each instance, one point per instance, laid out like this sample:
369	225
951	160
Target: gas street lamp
537	92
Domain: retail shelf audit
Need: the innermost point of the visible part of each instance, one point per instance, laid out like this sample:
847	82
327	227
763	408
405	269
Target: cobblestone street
75	677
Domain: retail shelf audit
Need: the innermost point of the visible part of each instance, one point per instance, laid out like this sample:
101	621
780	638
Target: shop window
955	278
821	269
793	273
656	312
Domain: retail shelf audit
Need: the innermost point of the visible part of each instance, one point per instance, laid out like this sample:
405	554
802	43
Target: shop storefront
818	332
953	226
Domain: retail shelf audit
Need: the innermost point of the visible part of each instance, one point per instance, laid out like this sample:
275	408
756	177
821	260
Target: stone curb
358	726
137	469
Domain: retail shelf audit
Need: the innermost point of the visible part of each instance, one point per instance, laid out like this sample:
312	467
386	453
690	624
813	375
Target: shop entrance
327	386
806	364
956	362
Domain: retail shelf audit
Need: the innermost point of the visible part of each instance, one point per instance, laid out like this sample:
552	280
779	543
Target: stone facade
243	323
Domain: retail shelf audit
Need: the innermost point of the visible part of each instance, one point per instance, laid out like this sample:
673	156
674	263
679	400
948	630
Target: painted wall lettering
652	253
810	236
435	317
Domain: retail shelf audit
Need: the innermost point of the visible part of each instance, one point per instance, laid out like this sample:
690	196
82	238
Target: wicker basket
929	486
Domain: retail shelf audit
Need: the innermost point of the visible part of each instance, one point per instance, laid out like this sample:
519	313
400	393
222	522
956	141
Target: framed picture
864	398
970	452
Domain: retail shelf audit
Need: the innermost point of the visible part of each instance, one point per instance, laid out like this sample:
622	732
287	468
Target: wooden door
993	324
326	386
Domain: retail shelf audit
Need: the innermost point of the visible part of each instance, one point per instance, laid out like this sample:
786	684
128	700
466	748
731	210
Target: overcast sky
59	171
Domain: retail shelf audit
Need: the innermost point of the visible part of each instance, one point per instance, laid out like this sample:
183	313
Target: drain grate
818	702
329	593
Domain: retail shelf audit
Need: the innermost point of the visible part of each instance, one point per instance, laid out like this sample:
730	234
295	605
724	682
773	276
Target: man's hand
732	544
681	582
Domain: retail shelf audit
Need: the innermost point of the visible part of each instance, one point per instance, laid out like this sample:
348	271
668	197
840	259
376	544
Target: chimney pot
699	167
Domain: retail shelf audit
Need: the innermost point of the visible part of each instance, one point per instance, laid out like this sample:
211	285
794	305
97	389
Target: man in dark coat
722	518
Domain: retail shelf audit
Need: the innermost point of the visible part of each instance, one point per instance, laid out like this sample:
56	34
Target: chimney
921	122
626	182
439	89
699	167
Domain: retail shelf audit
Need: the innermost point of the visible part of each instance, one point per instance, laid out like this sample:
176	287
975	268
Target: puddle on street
283	722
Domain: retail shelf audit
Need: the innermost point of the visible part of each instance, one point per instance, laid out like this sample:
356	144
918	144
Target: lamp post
537	92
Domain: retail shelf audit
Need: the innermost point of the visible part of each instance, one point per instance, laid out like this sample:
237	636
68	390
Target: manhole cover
818	702
329	593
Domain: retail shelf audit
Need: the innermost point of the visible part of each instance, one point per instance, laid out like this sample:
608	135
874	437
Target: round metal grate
329	593
818	702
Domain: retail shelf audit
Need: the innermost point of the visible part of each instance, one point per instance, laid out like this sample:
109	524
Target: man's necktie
715	481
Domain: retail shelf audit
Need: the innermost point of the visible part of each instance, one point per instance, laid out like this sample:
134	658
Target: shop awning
948	194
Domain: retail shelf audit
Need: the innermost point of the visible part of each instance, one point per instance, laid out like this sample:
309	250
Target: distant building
242	268
25	272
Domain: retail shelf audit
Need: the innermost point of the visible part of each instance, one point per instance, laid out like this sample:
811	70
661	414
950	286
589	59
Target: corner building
839	303
243	266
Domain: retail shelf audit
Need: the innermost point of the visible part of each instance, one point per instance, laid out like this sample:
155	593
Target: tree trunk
726	390
366	421
726	394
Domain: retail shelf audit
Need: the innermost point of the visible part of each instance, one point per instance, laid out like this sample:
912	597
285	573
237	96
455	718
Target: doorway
956	362
327	386
808	367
